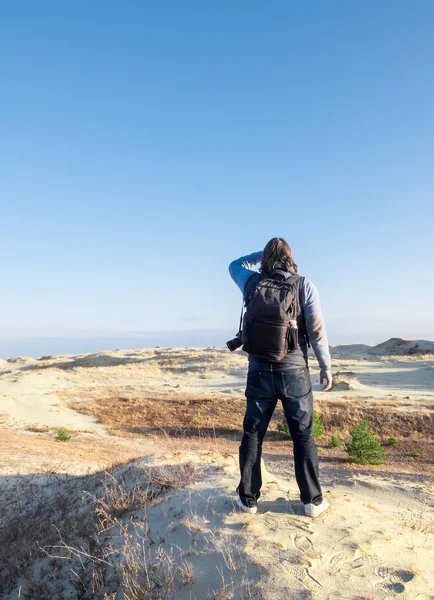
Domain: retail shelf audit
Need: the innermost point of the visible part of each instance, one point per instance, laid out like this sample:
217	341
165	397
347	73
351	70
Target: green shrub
62	435
365	448
317	428
335	442
392	441
414	453
283	430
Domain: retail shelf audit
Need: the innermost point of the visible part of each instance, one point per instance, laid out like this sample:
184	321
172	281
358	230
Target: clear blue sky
144	145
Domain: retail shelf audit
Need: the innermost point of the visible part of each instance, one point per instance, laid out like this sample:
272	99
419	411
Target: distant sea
200	338
39	346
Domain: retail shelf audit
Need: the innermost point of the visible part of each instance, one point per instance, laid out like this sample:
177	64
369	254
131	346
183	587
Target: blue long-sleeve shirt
241	270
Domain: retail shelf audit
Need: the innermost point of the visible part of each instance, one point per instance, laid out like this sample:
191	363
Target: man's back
310	321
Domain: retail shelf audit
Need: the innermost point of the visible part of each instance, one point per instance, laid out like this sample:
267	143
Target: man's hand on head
327	378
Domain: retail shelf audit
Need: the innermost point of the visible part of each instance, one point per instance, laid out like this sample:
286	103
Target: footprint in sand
340	558
335	520
343	561
395	575
302	575
363	561
397	578
303	544
271	522
296	571
396	588
293	521
383	572
401	576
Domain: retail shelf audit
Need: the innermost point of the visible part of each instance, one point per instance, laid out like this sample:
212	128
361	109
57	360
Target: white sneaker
248	509
311	510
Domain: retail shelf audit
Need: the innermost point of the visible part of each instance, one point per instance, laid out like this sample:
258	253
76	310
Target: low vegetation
335	442
364	447
63	435
317	428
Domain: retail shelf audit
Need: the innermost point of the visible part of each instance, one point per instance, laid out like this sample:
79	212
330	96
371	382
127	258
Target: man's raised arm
241	268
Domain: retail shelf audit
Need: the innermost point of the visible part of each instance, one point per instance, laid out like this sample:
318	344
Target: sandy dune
32	390
376	541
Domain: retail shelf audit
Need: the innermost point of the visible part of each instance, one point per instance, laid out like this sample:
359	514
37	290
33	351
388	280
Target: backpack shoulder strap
249	288
298	282
306	335
300	290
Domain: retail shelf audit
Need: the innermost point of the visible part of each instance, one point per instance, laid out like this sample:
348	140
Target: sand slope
377	540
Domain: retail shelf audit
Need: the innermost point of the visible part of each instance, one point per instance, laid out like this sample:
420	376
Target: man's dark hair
277	251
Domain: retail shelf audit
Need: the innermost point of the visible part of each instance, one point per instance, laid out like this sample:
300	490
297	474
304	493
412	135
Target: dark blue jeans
266	383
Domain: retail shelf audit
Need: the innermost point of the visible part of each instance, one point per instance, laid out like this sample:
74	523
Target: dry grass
120	498
372	507
201	415
179	415
146	573
231	590
422	521
340	416
78	526
187	573
39	429
407	357
195	523
217	422
32	524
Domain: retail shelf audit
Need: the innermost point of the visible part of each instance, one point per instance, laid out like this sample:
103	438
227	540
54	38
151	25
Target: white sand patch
31	398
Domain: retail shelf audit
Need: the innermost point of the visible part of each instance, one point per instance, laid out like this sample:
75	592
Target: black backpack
270	322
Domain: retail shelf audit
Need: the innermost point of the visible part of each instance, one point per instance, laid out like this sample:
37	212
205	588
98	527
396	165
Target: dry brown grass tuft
39	429
373	507
121	498
195	523
146	573
187	573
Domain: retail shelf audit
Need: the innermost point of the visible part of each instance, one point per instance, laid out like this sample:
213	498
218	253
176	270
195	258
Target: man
278	367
